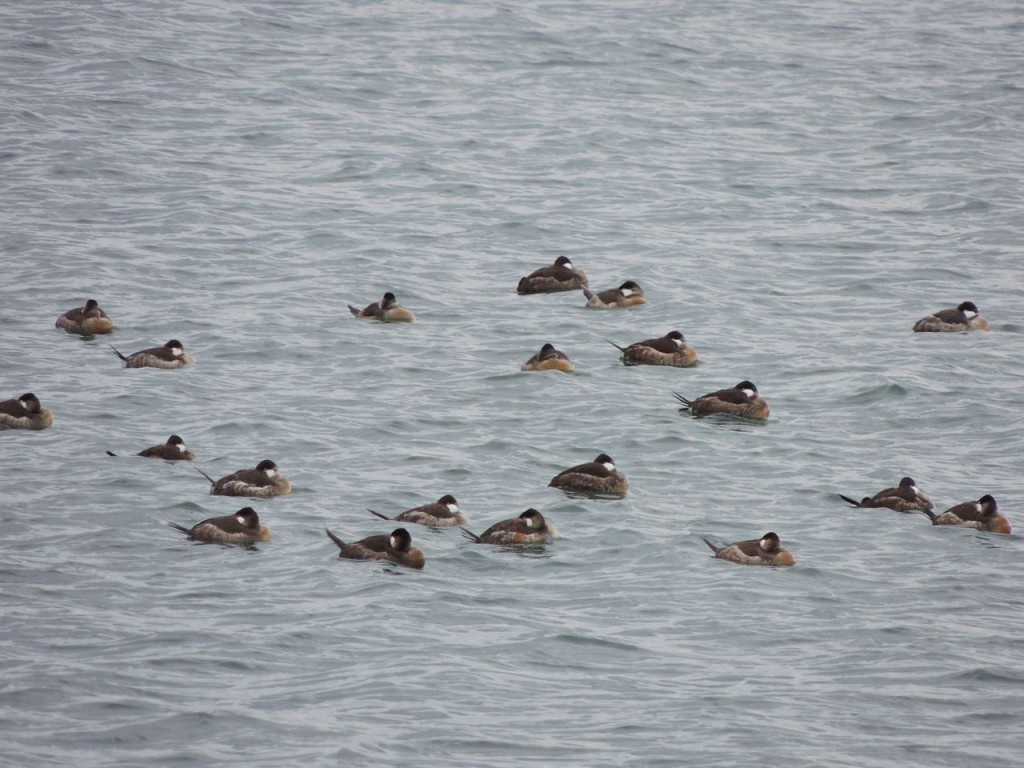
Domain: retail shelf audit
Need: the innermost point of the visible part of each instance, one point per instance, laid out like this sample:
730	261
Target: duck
243	527
396	548
740	400
87	320
170	355
906	497
173	450
982	514
670	349
443	513
597	476
529	528
264	481
560	276
25	412
549	359
767	550
387	310
629	294
959	319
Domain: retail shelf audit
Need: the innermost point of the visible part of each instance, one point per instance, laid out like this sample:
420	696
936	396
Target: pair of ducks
982	515
670	349
563	276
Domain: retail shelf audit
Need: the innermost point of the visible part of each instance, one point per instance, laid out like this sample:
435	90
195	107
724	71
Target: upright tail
212	481
931	515
354	310
177	527
713	547
335	539
111	453
621	349
471	536
849	501
378	514
686	403
118	353
587	293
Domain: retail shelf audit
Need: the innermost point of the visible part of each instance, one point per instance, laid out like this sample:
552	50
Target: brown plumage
560	276
87	320
548	359
629	294
597	476
262	482
243	527
670	349
443	513
396	548
741	400
982	515
24	413
906	497
170	355
767	550
387	310
529	528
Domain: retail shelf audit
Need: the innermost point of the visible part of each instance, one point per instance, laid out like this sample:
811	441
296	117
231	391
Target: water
793	186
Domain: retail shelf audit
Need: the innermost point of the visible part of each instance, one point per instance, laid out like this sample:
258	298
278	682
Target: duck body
243	527
906	497
629	294
529	528
767	550
597	476
396	548
87	320
25	412
741	400
959	319
670	349
387	310
443	513
262	482
549	359
560	276
170	355
982	515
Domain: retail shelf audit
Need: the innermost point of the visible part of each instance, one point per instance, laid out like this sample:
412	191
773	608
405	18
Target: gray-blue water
793	184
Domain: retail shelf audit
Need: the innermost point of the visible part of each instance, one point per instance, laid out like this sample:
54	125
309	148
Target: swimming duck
87	320
396	548
959	319
173	450
170	355
670	349
24	413
906	497
628	294
597	476
443	513
560	276
387	310
264	481
767	550
982	514
741	400
548	359
243	527
529	528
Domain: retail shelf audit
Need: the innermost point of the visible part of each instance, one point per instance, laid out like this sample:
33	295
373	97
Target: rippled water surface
792	184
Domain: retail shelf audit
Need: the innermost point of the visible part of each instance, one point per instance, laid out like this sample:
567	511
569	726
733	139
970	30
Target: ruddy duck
170	355
443	513
24	413
981	514
628	294
767	550
959	319
529	528
670	349
173	450
907	497
548	359
396	548
243	527
87	320
597	476
560	276
741	400
264	481
387	310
